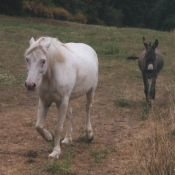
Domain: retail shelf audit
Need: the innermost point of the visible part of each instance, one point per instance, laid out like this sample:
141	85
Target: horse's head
36	58
150	55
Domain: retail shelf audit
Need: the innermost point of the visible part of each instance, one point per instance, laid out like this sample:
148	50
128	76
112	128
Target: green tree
11	7
163	15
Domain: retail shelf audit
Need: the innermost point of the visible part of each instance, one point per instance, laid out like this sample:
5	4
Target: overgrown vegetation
158	14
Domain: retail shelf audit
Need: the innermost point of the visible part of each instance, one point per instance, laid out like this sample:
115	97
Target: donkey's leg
152	89
68	137
59	128
88	106
146	85
42	112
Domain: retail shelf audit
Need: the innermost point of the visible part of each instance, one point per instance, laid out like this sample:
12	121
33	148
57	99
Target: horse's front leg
41	116
59	128
152	89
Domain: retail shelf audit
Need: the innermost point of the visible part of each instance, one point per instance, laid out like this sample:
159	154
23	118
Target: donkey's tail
132	58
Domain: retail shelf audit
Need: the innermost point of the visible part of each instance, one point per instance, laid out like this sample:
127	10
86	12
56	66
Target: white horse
61	72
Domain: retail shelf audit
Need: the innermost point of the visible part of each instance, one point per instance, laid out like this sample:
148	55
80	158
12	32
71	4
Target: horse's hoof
89	136
66	141
54	155
90	139
51	159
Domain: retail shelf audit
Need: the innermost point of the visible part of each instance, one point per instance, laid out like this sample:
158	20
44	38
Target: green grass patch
122	102
99	155
61	167
145	108
111	50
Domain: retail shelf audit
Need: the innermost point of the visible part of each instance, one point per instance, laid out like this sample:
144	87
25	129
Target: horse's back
81	50
85	61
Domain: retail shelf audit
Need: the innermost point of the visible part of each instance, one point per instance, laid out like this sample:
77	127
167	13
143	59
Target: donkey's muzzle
150	67
30	86
150	71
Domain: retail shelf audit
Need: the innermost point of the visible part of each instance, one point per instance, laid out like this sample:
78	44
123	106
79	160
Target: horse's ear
145	44
46	44
155	44
31	41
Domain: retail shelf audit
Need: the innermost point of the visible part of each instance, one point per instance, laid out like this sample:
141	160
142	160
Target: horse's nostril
34	85
30	86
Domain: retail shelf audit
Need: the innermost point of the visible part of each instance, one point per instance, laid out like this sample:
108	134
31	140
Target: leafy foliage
158	14
11	7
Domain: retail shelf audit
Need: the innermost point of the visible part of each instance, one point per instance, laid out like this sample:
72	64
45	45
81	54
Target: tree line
157	14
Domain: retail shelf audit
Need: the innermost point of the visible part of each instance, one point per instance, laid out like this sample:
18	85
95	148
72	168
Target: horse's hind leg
68	137
88	106
42	112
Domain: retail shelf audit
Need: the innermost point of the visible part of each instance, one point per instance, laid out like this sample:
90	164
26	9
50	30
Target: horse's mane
56	50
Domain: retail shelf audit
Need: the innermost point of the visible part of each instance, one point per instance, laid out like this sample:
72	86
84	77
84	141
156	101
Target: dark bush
112	17
61	14
79	17
169	23
11	7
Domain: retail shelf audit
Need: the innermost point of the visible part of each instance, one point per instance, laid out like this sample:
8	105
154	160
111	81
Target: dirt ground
23	151
120	120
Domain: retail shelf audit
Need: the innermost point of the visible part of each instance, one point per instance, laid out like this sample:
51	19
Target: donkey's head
150	55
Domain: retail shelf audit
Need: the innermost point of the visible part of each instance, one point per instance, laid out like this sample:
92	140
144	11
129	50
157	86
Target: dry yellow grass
130	139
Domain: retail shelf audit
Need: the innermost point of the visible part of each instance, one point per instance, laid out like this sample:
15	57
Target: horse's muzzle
30	86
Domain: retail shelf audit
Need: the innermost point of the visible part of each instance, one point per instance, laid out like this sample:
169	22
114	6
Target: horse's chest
50	94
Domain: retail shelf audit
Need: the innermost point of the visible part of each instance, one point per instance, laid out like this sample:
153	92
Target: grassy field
130	138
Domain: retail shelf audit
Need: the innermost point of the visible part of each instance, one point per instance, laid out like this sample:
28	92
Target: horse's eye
43	61
27	60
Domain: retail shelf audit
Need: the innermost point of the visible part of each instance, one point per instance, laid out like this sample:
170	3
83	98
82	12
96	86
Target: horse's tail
132	58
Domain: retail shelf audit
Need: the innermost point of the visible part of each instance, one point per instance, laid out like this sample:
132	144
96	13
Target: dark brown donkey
150	63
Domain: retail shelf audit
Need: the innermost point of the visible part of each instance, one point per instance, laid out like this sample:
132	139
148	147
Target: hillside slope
129	139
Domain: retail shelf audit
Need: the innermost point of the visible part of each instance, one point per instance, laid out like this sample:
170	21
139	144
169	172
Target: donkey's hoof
148	101
149	104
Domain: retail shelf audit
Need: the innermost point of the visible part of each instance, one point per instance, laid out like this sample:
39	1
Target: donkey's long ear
155	44
31	41
145	44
